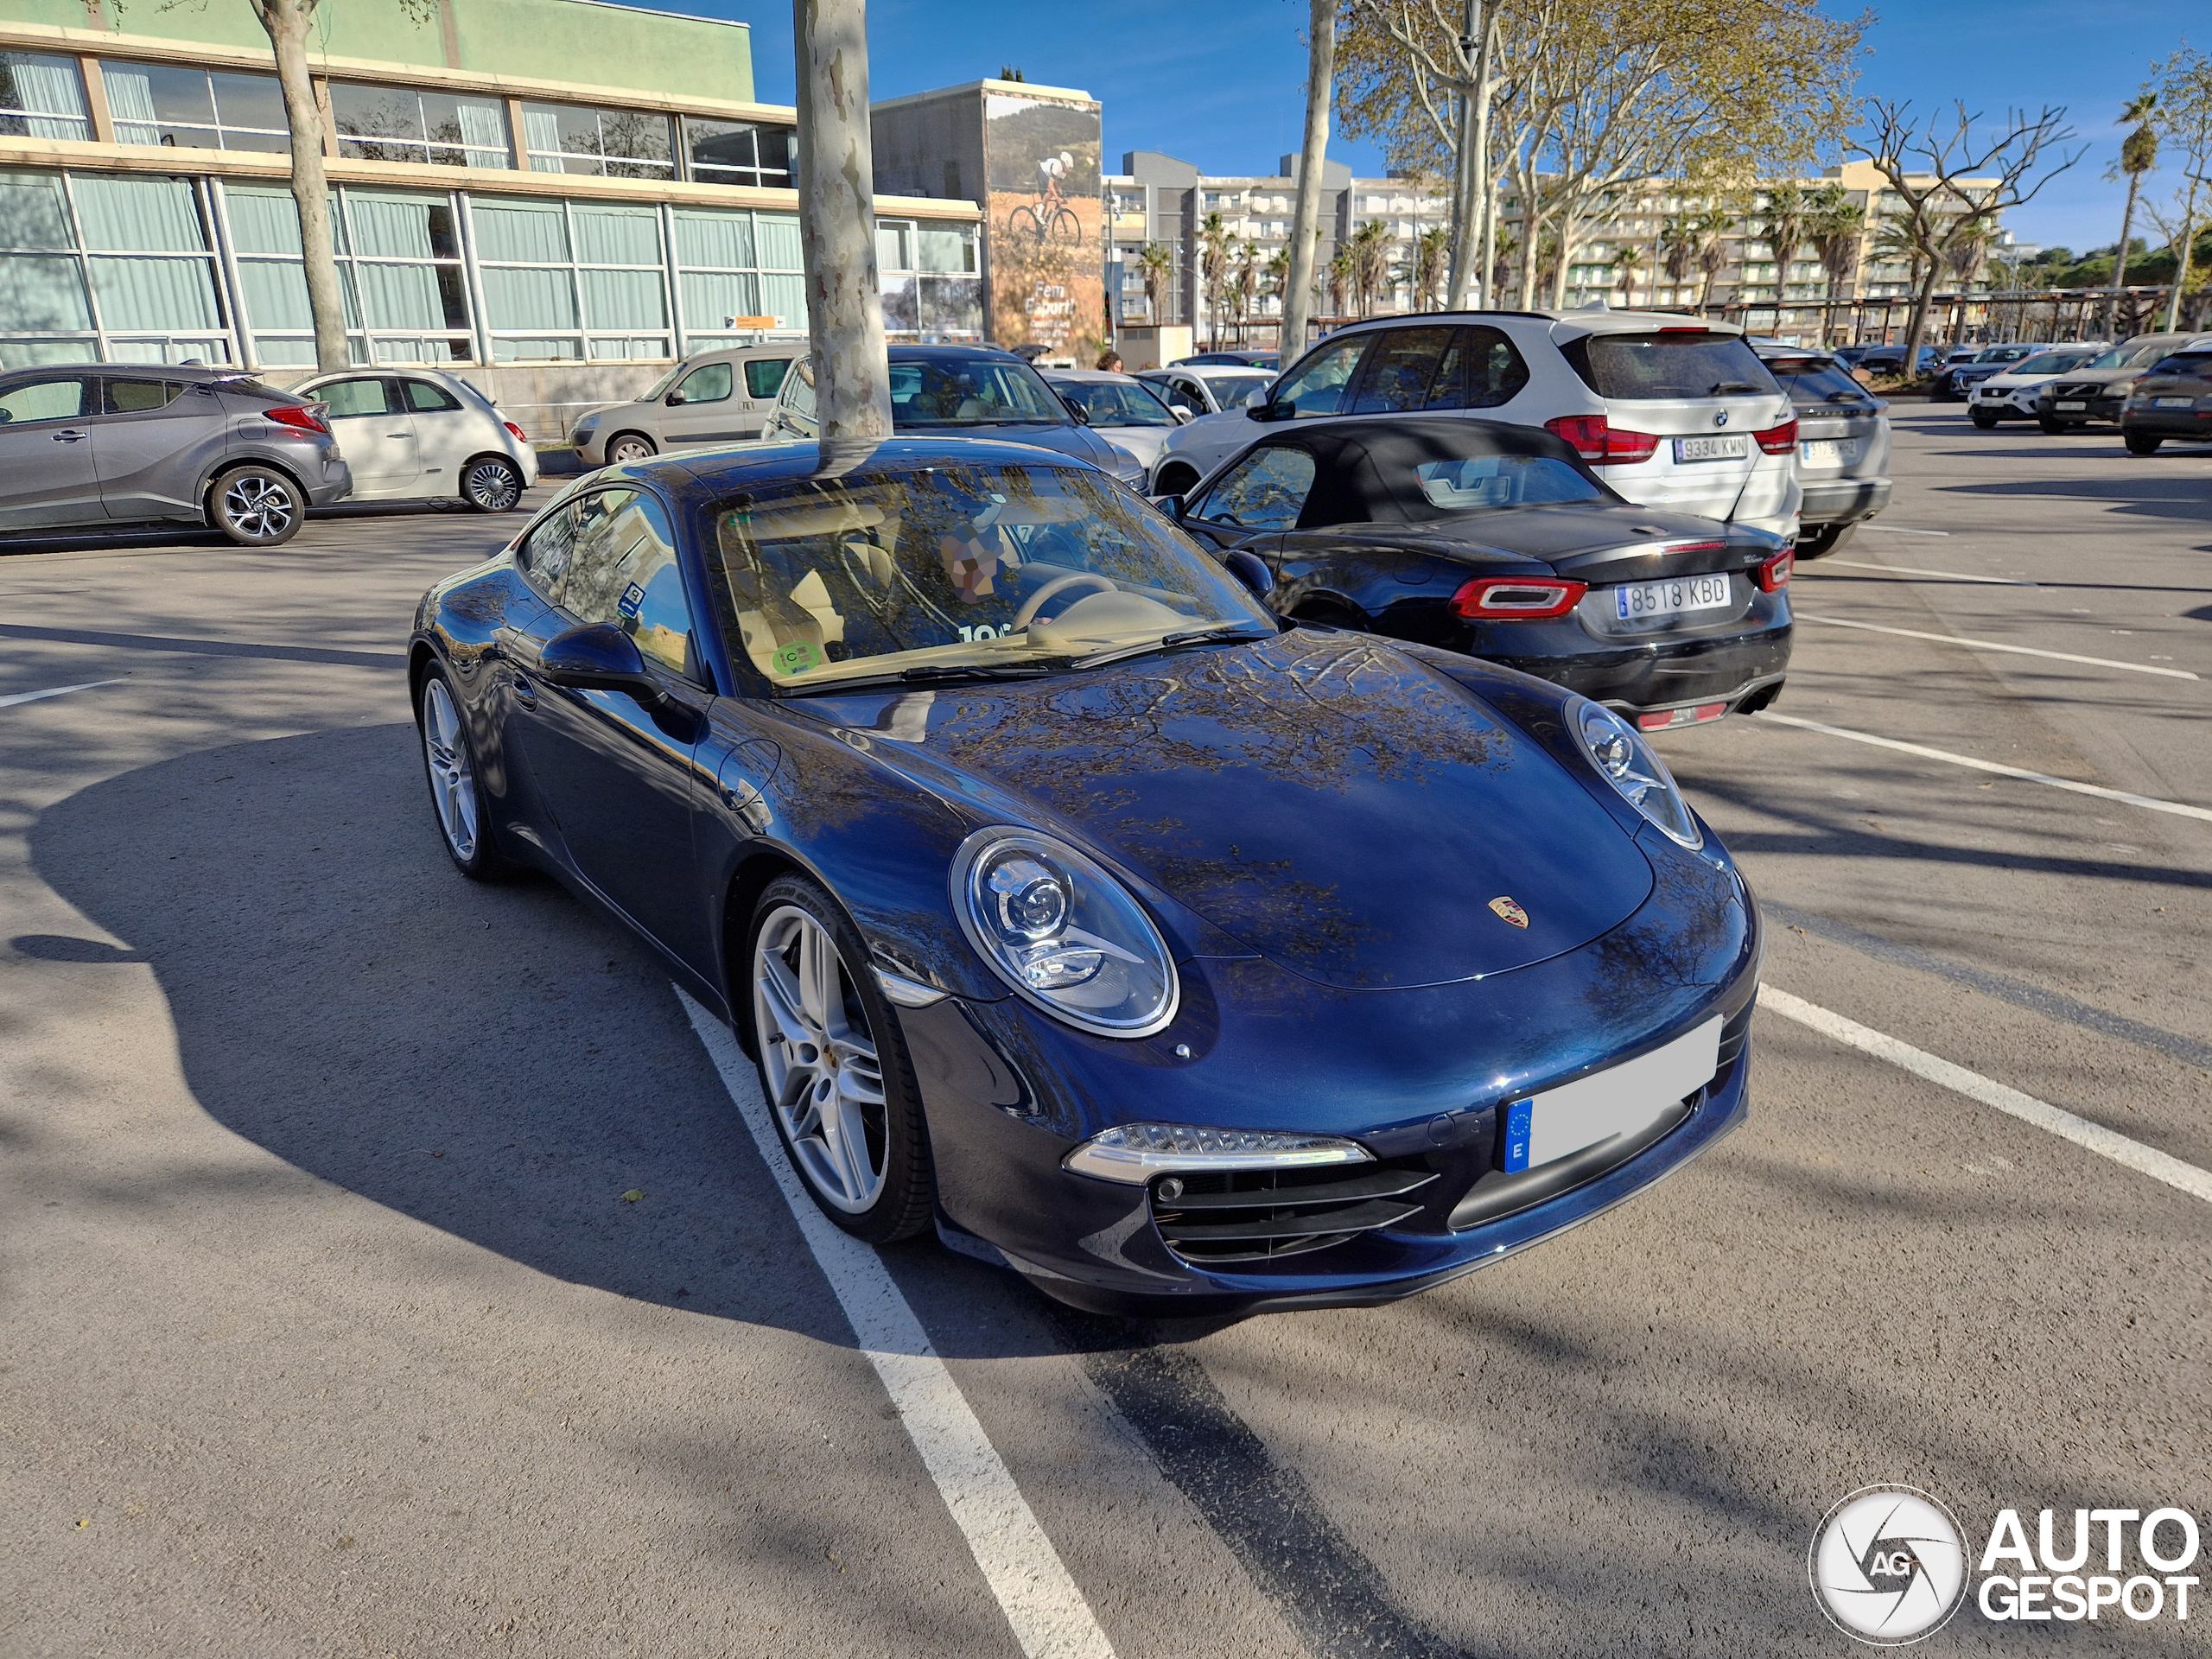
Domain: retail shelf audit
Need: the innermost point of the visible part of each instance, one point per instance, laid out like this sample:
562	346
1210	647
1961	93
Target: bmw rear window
1817	380
1671	363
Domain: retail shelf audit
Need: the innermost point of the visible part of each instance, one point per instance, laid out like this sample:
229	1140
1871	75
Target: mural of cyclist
1050	219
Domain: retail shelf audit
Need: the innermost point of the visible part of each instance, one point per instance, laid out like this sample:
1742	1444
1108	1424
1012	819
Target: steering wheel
1028	613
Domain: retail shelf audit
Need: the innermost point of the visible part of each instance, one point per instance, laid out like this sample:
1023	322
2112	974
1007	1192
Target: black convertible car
1498	541
1175	957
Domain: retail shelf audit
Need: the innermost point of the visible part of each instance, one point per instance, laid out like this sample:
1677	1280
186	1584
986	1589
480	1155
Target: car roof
146	371
1086	377
693	476
1353	487
951	354
1593	319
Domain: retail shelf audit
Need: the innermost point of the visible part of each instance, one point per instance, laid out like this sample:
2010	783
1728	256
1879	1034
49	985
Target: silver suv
117	443
719	397
1675	411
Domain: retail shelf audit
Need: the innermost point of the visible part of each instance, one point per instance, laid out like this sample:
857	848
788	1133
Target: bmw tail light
1601	443
1774	574
307	417
1779	440
1517	599
516	430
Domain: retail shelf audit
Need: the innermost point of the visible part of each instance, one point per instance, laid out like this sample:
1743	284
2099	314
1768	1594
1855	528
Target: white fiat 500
1674	411
415	434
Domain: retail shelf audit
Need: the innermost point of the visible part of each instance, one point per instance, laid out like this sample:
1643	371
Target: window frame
1253	457
79	118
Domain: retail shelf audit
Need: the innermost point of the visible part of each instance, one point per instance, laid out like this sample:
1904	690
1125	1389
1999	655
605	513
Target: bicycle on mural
1050	217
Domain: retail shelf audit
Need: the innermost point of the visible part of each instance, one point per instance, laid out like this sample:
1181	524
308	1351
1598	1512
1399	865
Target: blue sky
1221	82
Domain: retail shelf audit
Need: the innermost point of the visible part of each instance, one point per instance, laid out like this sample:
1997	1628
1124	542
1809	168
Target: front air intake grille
1256	1215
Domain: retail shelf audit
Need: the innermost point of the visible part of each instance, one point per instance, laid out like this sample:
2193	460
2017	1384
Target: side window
136	396
425	398
1264	491
1408	370
764	376
1320	385
708	383
625	572
349	399
43	400
544	555
799	391
1495	372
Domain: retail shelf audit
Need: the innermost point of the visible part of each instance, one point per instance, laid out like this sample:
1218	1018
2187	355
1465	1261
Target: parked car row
113	443
1013	837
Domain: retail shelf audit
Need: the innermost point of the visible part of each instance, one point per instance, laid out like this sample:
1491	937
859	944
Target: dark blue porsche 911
1181	959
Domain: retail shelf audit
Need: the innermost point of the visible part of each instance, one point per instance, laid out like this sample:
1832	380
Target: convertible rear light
307	417
1779	440
1601	443
1253	1215
1774	574
1517	599
520	436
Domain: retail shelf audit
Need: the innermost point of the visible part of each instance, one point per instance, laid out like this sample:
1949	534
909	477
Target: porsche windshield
943	569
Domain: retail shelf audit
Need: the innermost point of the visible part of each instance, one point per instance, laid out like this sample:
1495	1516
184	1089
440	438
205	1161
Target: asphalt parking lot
329	1329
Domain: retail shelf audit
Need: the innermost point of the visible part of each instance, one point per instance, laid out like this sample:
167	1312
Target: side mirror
1182	414
597	657
1172	505
1076	412
1271	412
1251	570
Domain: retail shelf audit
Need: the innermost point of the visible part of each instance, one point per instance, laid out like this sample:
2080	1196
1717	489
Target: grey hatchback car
118	443
1843	444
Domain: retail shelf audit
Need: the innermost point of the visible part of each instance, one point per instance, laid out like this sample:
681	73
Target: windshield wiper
927	674
1224	631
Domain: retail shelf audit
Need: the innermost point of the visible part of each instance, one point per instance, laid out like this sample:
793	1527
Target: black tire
1984	418
625	448
491	484
1822	539
2141	443
257	505
904	1206
2056	428
1174	480
449	759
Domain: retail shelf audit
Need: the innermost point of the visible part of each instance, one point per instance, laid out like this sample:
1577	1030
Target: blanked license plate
2171	402
1671	598
1618	1101
1828	452
2063	404
1733	448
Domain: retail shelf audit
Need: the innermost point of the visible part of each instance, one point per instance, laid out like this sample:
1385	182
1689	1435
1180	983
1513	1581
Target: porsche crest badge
1509	912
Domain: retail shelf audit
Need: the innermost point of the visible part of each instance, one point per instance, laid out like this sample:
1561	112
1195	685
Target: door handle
396	435
68	437
525	693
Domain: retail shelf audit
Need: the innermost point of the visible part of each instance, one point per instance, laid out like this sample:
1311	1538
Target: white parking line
2055	1120
1915	570
2179	808
1899	530
1041	1601
1992	645
54	691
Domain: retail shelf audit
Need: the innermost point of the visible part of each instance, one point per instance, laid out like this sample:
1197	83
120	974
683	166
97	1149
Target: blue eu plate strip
1518	1115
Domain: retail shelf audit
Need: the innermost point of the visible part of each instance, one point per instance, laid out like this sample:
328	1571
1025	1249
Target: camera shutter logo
1888	1566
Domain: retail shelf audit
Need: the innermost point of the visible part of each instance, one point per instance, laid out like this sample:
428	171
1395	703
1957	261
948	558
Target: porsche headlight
1063	932
1619	751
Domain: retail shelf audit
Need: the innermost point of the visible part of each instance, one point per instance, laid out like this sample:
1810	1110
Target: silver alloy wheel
825	1082
491	484
453	780
627	448
260	505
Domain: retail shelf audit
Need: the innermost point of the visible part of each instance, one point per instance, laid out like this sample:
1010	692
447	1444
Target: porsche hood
1325	800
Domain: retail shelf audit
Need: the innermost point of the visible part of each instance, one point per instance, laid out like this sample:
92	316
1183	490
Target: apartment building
561	239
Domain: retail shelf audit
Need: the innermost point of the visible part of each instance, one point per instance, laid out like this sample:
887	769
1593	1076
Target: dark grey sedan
116	443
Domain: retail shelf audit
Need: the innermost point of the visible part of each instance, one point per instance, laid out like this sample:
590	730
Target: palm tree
1157	265
1275	278
1628	260
2138	154
1709	227
1370	263
1895	245
1836	224
1213	269
1782	229
1678	248
1507	250
1248	285
1969	247
1432	255
1547	258
1340	277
